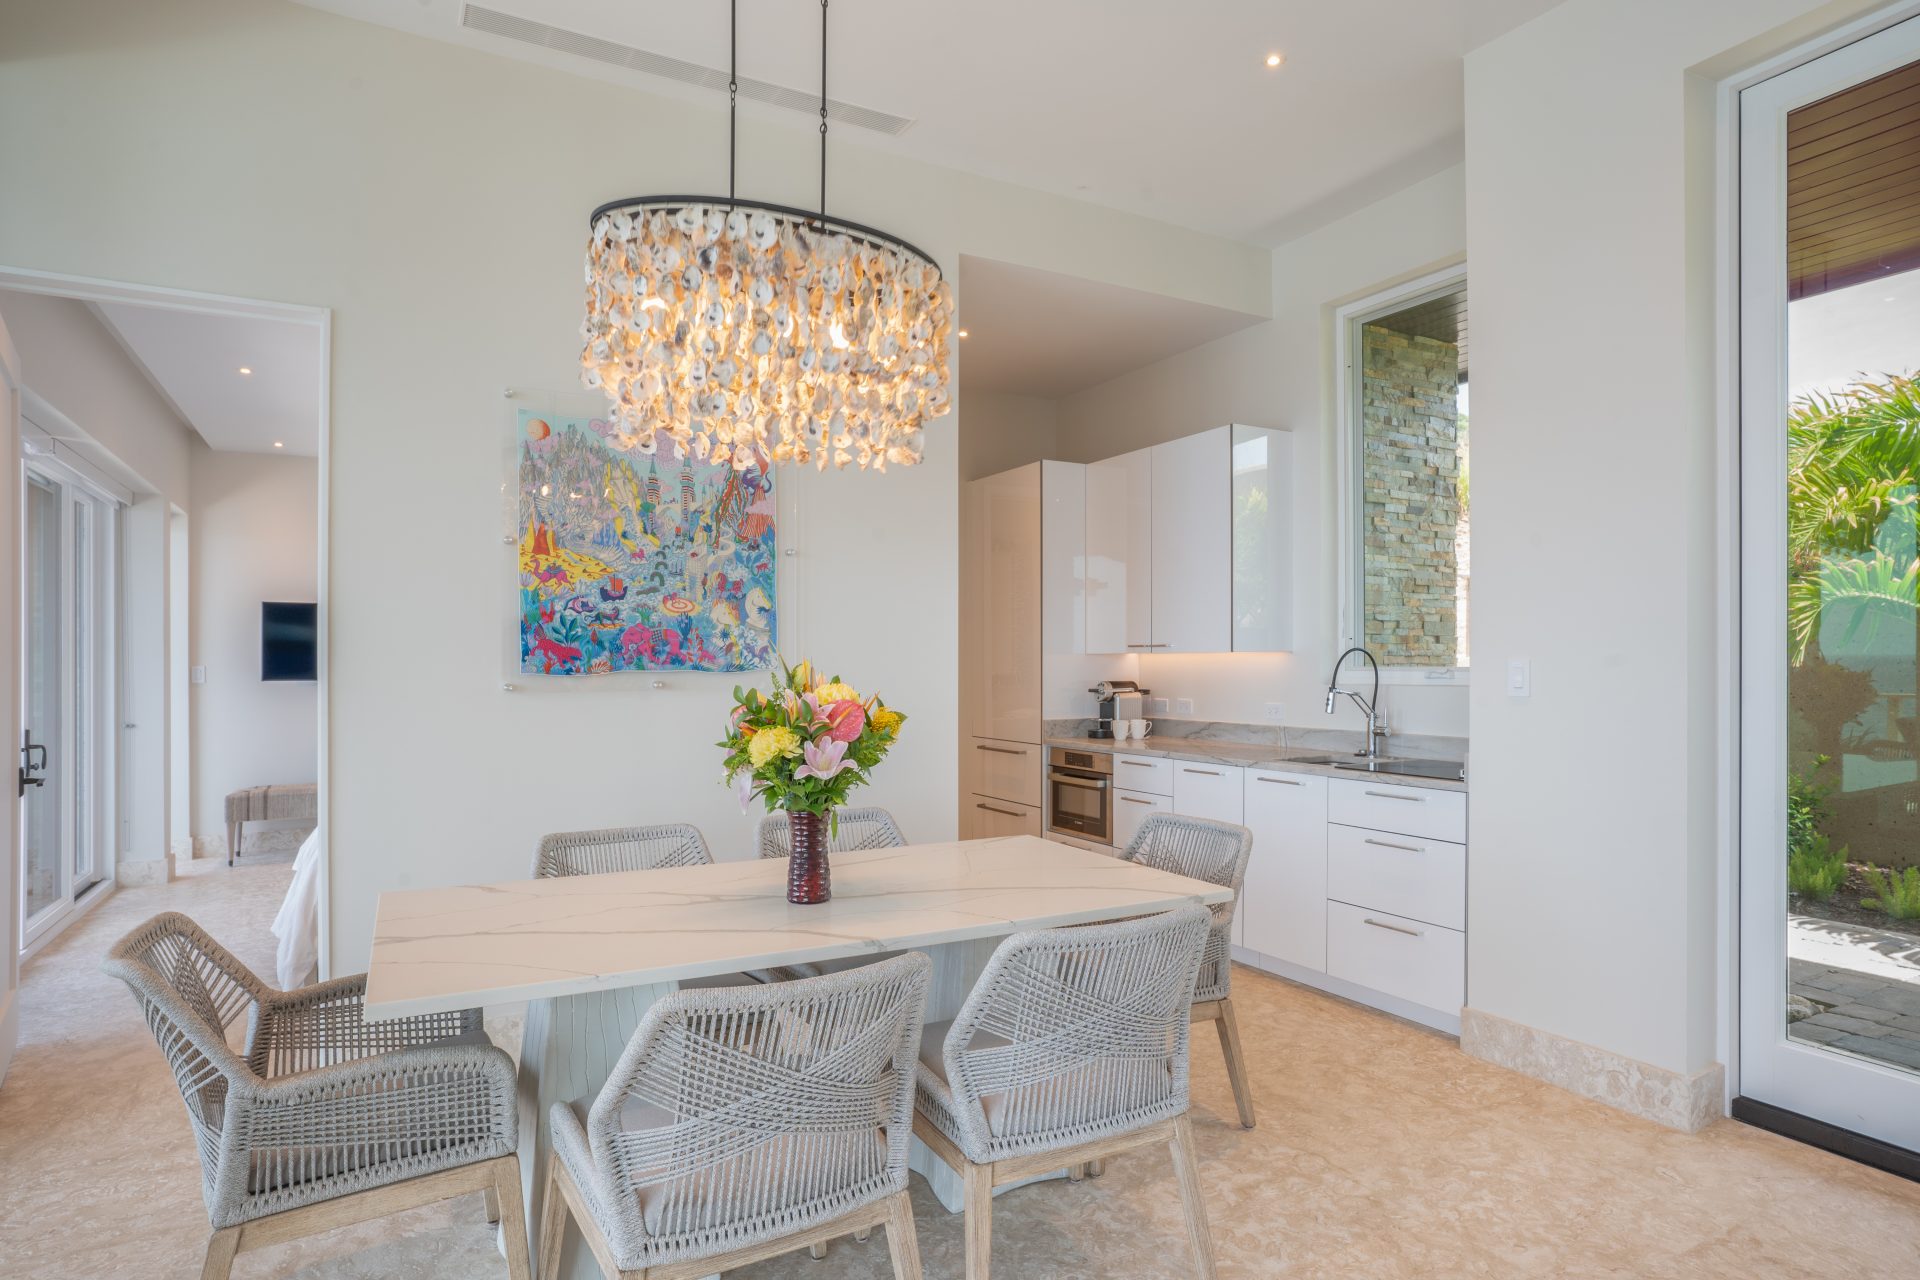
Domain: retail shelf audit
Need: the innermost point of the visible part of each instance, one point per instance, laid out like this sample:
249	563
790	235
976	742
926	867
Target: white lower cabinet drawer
994	817
1406	875
1130	809
1208	791
1143	773
1412	811
1007	770
1411	959
1078	843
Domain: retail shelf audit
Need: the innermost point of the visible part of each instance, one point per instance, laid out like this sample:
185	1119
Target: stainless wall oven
1080	794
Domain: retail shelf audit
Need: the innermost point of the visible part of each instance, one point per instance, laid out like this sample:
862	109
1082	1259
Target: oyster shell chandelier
749	332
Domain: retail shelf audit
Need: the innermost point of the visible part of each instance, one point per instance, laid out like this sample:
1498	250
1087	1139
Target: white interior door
1830	487
9	689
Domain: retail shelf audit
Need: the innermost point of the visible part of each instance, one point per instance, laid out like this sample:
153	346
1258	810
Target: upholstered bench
300	803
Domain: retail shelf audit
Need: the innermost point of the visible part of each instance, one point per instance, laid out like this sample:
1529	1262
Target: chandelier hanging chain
733	93
823	110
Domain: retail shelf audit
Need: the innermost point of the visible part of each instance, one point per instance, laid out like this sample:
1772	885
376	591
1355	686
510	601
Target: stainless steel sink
1452	770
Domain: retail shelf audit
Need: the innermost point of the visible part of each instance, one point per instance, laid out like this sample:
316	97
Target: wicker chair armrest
351	987
404	1093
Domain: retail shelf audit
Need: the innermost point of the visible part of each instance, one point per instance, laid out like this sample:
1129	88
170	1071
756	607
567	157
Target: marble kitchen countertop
464	946
1256	755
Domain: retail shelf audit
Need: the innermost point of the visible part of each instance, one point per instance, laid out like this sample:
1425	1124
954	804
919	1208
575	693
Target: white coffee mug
1121	728
1140	728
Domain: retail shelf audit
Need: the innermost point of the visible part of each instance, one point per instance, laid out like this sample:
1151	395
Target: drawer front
1130	809
1410	811
1078	843
1408	875
992	816
1208	790
1143	773
1406	958
1007	770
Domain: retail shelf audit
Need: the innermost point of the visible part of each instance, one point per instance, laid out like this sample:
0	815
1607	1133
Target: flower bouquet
802	748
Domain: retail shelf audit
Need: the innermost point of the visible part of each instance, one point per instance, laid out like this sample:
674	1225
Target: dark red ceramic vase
809	878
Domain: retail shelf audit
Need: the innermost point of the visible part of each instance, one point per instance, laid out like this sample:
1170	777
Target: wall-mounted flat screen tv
289	641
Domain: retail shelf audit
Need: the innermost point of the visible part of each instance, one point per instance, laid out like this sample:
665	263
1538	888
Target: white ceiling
195	359
1039	333
1159	109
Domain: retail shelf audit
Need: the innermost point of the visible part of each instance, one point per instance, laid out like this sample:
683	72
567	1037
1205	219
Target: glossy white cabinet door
1130	809
1007	632
1120	558
1192	544
1262	540
1284	903
1207	790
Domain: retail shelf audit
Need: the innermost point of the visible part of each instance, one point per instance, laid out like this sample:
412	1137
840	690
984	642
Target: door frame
1733	304
92	289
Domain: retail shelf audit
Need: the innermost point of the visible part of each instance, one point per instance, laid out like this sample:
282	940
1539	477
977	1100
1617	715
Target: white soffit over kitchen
195	359
1162	110
1040	333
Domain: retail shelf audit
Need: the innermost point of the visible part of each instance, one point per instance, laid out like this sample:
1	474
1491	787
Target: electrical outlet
1158	706
1276	712
197	675
1183	706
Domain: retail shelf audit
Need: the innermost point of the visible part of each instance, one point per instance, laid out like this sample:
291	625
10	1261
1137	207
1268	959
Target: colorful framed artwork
636	561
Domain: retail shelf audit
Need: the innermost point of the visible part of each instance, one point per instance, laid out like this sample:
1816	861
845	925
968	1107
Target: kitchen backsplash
1429	746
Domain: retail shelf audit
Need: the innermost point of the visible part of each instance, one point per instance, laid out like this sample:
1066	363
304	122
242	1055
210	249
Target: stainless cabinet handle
1149	646
1205	773
1135	800
1068	780
1394	928
1140	764
1388	844
1395	795
1011	813
1285	782
1005	751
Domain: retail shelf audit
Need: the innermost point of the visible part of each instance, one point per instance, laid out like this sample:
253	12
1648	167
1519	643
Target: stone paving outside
1870	1014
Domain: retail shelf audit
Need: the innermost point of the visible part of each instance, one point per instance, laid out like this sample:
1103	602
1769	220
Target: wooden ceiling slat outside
1443	319
1853	185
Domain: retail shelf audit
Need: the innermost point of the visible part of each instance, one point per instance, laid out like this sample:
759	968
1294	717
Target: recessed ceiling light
1274	59
245	372
279	444
963	333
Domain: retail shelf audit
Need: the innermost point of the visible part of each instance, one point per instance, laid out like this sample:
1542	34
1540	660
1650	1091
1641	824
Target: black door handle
29	771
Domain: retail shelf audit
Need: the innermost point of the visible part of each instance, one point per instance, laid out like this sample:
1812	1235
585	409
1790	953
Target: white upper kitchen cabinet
1192	545
1004	626
1119	581
1284	904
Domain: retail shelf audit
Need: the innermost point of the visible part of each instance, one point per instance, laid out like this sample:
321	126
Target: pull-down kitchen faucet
1369	706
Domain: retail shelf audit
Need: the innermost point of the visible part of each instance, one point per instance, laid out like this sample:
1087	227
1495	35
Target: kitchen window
1406	565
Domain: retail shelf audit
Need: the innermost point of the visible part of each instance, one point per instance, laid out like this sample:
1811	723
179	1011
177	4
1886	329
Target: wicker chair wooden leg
817	1250
864	1235
492	1198
504	1199
1096	1167
1076	1172
1186	1169
903	1243
1229	1029
553	1221
222	1245
979	1210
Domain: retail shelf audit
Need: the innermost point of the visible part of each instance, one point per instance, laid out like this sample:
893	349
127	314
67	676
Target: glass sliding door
68	674
1830	590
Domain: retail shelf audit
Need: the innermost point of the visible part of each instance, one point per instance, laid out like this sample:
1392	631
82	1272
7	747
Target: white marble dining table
591	953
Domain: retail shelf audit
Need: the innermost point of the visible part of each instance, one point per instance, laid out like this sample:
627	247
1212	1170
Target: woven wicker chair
746	1123
1072	1047
870	828
1216	852
585	853
324	1119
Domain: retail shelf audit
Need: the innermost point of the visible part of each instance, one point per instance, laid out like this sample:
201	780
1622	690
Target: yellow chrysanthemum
768	743
886	720
835	692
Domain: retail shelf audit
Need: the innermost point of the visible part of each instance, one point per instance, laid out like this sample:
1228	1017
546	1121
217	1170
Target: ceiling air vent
527	31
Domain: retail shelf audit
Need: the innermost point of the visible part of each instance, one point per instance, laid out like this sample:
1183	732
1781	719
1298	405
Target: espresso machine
1119	700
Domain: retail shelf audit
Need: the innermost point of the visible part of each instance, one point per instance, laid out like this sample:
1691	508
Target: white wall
69	358
1590	229
256	536
436	199
1005	431
1280	374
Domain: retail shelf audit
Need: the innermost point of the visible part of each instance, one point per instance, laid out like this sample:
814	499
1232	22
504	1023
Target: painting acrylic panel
635	561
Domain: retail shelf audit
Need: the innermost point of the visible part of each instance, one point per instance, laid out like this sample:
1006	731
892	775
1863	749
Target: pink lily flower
825	758
743	787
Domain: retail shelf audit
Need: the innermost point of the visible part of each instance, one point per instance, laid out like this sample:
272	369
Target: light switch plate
1519	677
197	675
1276	712
1183	706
